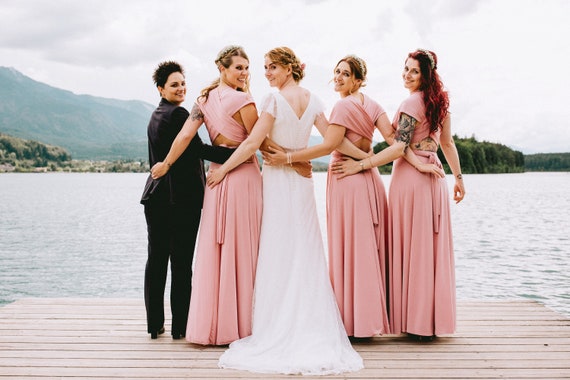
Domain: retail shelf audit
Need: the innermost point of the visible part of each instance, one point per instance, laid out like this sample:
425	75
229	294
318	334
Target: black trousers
172	231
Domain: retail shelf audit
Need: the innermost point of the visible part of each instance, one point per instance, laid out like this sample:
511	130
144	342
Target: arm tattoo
196	114
406	126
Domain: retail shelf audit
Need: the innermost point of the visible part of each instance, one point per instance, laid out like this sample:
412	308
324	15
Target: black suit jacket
184	183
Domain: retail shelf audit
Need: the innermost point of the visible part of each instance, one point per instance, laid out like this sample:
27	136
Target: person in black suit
173	204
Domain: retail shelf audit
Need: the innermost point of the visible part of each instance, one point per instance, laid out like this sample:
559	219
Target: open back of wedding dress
297	328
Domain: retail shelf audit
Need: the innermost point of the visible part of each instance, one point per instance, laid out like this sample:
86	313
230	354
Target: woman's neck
290	82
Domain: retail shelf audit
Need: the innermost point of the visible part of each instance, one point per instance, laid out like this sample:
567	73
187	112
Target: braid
284	56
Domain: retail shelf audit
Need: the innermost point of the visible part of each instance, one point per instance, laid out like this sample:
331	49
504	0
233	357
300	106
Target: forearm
452	157
389	154
347	148
217	154
310	153
244	151
178	147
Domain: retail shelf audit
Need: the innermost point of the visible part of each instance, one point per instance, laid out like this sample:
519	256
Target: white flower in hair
430	56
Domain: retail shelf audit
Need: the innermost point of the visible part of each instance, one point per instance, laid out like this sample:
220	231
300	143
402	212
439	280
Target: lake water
84	235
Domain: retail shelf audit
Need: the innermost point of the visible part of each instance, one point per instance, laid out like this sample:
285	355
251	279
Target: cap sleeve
269	105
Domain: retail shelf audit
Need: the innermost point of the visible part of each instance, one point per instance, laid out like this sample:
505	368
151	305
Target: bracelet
167	164
289	158
361	165
459	176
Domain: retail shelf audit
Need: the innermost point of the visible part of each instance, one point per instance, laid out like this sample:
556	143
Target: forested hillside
478	157
547	162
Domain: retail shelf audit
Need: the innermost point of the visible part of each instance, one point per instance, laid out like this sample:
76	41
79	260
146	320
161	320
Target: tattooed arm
181	142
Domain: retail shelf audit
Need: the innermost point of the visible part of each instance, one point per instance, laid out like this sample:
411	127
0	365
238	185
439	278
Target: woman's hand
431	169
346	167
274	157
158	170
214	177
304	168
458	190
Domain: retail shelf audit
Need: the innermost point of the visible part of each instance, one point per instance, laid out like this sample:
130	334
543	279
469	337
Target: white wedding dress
297	328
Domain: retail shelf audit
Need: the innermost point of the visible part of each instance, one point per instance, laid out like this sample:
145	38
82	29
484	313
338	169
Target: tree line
18	155
476	158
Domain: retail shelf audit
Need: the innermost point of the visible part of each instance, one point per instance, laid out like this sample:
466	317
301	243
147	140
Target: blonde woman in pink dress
228	241
422	269
357	211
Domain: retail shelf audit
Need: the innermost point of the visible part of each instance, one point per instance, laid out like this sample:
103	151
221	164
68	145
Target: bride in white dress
297	327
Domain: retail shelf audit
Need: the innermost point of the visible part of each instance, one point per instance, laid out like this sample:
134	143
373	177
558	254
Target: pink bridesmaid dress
228	241
357	218
422	269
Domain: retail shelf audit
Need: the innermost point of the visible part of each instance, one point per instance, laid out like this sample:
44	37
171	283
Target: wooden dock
87	338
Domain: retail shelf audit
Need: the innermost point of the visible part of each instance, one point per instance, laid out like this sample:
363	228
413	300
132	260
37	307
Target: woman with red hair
421	265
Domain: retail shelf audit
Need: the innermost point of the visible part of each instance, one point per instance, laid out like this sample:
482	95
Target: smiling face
412	75
237	73
174	89
277	75
344	81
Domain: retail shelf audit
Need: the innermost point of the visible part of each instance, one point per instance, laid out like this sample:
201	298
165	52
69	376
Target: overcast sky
504	62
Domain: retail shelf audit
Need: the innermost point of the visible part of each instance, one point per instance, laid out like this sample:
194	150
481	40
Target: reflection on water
84	235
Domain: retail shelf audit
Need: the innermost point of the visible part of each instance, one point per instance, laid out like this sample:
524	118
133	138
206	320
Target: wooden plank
94	338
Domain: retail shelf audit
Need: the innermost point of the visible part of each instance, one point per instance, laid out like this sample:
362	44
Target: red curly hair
435	97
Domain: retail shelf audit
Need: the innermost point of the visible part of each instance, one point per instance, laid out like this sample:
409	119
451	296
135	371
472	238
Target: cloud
500	59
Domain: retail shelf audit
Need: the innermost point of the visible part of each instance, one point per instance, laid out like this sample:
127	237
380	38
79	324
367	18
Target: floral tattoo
196	113
427	144
406	127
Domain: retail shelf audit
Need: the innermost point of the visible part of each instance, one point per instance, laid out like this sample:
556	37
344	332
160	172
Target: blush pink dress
357	218
422	269
226	254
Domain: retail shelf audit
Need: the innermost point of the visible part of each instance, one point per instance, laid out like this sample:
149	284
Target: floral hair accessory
360	63
226	51
429	55
302	66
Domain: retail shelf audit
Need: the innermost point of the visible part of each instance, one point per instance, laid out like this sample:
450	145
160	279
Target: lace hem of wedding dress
268	362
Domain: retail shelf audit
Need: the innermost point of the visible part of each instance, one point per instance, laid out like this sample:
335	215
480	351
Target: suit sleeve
217	154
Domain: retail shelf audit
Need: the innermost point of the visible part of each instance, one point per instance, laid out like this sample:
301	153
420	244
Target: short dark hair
163	71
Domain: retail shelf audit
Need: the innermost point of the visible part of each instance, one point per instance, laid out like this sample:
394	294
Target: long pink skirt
226	259
357	218
422	269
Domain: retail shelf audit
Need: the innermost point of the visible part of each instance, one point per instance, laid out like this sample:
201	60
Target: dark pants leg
172	234
185	229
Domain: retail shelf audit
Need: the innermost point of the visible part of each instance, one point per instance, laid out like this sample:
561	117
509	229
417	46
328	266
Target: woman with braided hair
422	269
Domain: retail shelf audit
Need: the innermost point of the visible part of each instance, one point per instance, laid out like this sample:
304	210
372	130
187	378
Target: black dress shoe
178	335
155	334
422	338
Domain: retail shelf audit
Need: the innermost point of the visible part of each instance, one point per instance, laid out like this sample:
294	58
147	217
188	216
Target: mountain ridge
89	127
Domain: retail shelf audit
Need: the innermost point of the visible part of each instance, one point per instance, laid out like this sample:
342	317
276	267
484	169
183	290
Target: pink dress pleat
228	241
357	217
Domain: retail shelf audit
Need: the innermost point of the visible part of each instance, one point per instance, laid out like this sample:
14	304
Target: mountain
88	127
